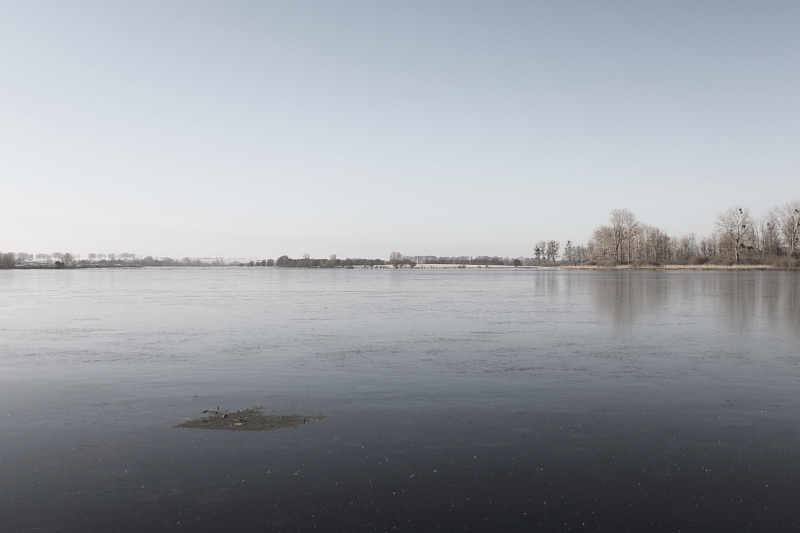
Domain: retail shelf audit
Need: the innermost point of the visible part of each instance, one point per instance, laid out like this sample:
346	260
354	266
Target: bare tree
788	223
396	259
624	227
601	243
580	254
540	251
709	247
569	253
655	245
684	248
769	238
552	251
620	240
736	232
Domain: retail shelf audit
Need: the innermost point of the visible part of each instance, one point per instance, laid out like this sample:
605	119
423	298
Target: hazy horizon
256	129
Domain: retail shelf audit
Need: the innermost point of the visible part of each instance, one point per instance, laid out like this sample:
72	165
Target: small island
249	420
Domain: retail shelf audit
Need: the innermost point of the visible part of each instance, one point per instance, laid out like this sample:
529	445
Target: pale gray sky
359	128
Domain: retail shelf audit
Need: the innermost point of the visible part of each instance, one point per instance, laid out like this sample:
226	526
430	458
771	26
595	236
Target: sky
257	129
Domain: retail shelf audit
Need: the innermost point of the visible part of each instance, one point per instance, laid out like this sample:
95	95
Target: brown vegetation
772	241
249	420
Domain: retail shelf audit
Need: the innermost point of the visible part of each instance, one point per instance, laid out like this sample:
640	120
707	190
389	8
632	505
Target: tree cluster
8	260
739	238
262	263
332	262
548	253
112	260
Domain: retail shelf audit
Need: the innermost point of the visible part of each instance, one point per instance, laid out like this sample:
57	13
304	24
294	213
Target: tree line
739	238
112	260
332	262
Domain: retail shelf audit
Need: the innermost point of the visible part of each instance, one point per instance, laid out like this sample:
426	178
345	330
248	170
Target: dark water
458	400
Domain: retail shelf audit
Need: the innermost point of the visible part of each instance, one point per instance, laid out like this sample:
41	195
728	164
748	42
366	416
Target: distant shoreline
675	267
629	267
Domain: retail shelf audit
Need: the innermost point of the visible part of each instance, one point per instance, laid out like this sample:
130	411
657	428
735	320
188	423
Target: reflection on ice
738	300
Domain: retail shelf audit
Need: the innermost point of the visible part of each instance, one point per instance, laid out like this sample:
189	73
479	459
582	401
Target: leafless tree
601	243
788	225
769	238
656	246
624	227
540	251
552	251
396	259
580	254
709	247
569	253
618	240
684	248
736	232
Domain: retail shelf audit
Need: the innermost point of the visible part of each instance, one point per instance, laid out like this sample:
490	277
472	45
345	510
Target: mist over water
491	400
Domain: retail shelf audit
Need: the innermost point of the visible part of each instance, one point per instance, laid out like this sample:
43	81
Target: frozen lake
479	400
